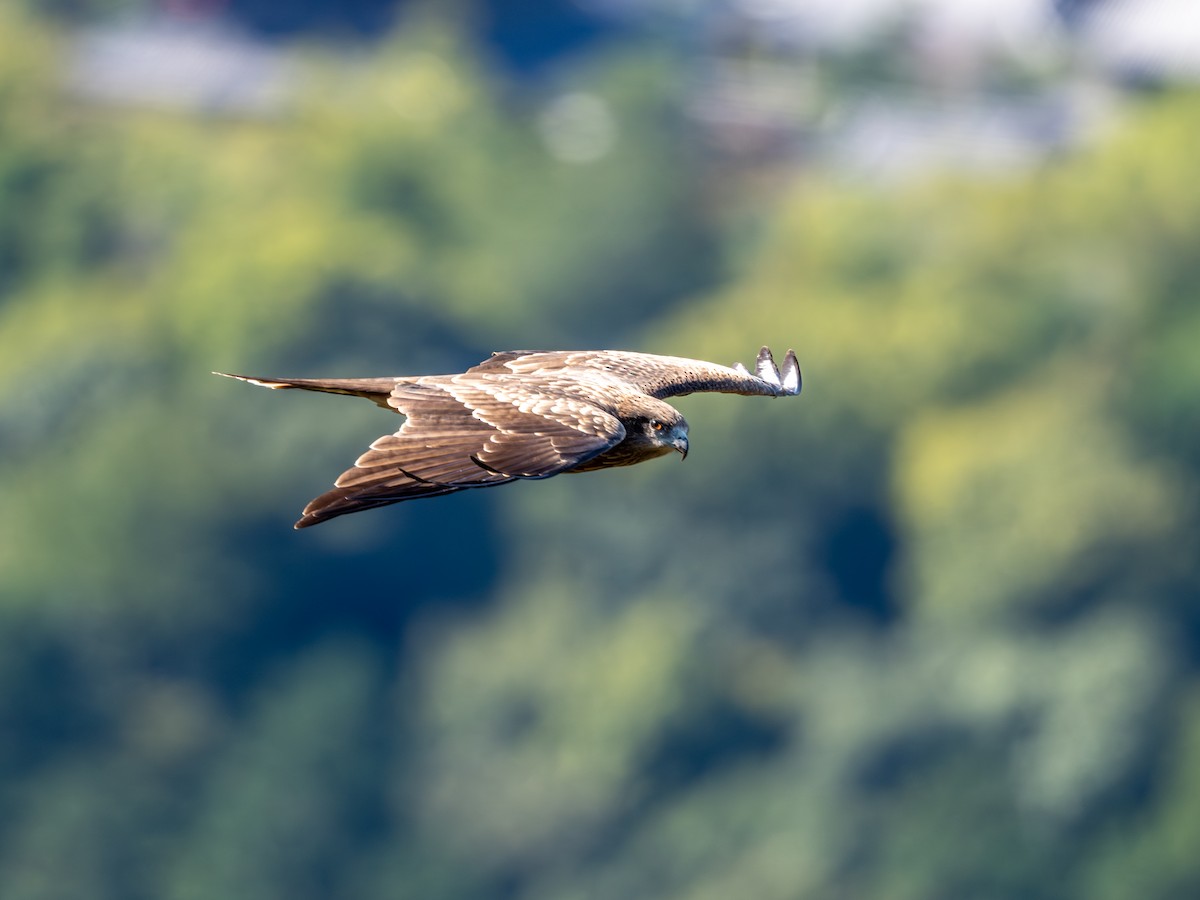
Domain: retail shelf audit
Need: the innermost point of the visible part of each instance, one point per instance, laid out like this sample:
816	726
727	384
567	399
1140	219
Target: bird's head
668	430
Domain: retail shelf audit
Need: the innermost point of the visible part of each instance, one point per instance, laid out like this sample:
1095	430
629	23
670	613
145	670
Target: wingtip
784	380
766	368
793	382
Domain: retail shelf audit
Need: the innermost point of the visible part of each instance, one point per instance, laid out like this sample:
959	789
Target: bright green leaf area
927	631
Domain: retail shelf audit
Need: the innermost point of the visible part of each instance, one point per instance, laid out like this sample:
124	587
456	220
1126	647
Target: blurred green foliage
928	632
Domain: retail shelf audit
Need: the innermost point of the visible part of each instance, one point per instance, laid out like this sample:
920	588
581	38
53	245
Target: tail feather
376	390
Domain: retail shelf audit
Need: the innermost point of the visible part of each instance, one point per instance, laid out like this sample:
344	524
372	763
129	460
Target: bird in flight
525	415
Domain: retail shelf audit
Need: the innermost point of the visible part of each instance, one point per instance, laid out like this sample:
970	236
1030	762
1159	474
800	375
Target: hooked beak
681	444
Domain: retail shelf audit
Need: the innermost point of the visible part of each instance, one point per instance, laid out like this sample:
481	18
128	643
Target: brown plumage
525	414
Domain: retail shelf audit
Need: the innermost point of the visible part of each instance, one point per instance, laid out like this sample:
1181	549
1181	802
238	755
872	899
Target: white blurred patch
578	128
161	64
846	22
1151	37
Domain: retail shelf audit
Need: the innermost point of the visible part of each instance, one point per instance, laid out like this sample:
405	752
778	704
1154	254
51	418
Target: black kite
525	414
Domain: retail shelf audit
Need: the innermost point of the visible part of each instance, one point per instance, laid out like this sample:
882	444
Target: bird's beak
681	444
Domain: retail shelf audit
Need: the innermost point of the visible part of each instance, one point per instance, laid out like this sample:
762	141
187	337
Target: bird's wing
462	432
658	376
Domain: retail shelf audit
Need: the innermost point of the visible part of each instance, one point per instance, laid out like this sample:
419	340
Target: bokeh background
931	630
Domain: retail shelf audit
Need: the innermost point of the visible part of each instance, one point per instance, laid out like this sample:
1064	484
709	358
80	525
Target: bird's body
525	415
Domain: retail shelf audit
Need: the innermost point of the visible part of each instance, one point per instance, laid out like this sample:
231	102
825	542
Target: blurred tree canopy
929	631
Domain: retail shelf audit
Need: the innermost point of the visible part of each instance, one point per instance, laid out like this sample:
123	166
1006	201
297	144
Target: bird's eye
657	426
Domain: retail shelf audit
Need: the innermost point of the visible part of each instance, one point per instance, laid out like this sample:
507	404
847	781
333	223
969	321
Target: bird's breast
629	452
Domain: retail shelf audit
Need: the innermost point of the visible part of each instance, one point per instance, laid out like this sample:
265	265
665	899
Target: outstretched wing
464	433
659	376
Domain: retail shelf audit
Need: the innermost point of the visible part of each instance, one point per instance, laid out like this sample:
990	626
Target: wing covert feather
458	436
